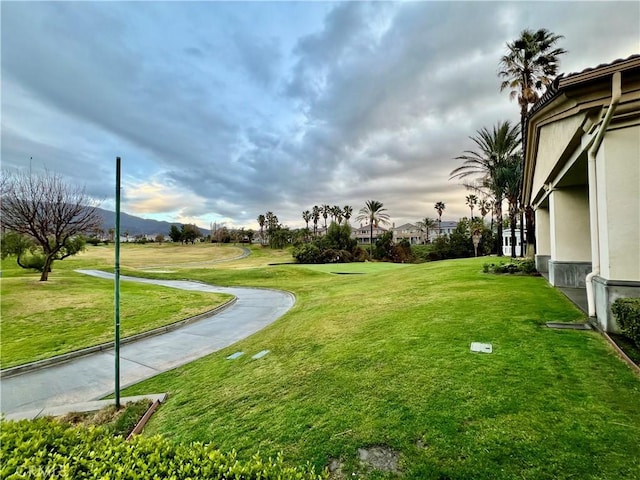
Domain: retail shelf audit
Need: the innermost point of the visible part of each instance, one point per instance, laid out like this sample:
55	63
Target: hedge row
46	448
627	313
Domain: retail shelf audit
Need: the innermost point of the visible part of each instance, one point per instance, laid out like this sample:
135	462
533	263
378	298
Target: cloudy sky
222	111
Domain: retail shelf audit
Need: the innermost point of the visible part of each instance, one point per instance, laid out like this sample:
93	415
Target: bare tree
44	208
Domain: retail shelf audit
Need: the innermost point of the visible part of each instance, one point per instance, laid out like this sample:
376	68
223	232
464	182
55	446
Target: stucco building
582	178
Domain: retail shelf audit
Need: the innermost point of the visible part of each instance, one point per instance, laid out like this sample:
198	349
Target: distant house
410	232
582	178
363	233
506	241
442	228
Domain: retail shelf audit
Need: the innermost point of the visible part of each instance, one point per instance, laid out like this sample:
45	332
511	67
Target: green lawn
382	359
72	311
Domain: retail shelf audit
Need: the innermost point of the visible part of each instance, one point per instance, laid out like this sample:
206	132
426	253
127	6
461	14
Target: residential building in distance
363	233
506	242
410	232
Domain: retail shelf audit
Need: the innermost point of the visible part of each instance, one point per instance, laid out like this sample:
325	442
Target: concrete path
92	377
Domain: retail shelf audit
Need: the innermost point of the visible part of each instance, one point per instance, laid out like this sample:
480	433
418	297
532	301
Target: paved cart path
92	376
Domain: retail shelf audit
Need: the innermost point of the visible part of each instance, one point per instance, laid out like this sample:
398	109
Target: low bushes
526	266
46	448
627	313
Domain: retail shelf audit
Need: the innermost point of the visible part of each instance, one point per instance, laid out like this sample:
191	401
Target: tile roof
563	80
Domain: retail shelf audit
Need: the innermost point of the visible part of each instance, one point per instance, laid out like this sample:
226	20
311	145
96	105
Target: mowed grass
73	311
383	359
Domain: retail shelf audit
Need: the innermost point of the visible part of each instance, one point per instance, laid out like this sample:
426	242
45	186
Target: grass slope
383	359
72	311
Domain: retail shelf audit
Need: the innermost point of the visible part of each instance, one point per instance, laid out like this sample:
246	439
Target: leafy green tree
48	211
495	149
374	213
190	233
175	234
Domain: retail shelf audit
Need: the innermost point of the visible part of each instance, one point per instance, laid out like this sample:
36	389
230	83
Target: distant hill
136	225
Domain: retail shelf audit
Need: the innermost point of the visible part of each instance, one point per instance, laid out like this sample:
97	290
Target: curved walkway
92	377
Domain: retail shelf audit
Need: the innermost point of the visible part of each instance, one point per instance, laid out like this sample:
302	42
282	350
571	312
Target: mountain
136	225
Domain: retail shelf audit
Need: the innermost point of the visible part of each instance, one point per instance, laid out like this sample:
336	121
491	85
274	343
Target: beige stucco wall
569	224
543	232
618	173
554	139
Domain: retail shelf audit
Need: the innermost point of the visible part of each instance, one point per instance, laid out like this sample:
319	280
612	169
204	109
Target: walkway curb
82	407
47	362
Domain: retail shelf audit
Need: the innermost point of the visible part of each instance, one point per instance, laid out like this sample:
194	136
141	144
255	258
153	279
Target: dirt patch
380	458
117	422
335	469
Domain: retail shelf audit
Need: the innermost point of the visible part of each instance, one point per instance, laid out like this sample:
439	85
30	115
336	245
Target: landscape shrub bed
627	313
526	266
46	448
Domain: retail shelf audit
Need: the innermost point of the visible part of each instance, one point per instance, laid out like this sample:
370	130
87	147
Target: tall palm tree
315	215
261	221
530	65
347	211
326	210
440	206
485	207
425	225
373	212
472	201
510	176
336	213
528	68
306	216
495	149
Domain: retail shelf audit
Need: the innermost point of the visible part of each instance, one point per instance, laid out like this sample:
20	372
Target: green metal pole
117	285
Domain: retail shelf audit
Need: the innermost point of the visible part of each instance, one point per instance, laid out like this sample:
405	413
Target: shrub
627	313
46	448
307	253
93	241
527	266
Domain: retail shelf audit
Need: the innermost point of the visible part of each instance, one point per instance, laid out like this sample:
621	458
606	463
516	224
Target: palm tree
495	149
373	212
306	216
530	65
336	213
440	206
326	210
347	212
315	215
261	221
510	176
485	207
472	201
528	68
425	225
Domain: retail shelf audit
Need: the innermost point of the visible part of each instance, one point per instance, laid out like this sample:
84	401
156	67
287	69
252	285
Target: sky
222	111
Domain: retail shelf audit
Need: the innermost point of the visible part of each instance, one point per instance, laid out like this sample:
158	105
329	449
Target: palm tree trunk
499	222
371	242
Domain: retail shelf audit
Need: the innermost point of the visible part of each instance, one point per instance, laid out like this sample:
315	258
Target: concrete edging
29	367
